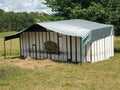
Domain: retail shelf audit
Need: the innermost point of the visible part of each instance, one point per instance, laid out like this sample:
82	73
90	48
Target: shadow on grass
117	50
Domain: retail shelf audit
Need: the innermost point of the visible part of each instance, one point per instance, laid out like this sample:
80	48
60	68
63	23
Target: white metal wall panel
30	42
88	53
68	47
83	54
73	49
108	42
104	56
27	44
106	48
44	40
64	48
33	44
48	39
37	45
102	49
112	41
41	44
61	47
78	49
111	46
24	44
56	41
93	51
52	39
98	49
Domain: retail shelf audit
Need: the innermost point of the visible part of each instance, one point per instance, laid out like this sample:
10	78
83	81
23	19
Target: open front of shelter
73	40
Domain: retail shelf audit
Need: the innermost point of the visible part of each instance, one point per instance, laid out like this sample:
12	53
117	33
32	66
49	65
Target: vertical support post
81	50
20	46
4	50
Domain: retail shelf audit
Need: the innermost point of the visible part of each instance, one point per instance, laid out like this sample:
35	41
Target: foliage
103	11
10	21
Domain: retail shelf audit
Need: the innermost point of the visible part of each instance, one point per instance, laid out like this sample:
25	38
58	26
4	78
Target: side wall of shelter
32	44
102	49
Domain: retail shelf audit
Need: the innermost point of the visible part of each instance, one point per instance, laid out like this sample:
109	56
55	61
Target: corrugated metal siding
32	44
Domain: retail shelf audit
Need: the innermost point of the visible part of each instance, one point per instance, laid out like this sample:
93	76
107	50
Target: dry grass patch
31	63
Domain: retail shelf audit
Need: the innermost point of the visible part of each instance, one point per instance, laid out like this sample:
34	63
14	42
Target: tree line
103	11
11	21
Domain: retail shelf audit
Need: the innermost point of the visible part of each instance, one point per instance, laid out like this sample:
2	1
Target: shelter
73	40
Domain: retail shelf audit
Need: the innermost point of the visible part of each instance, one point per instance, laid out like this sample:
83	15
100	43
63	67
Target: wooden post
80	50
4	50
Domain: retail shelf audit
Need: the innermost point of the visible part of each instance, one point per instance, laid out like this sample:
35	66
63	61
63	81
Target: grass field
12	46
103	75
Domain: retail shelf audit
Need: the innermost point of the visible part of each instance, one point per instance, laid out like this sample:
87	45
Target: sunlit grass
103	75
117	44
12	46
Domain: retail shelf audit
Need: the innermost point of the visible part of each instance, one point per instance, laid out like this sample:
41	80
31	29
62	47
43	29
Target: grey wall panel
68	47
21	40
73	49
60	47
37	45
48	39
56	41
64	48
78	49
44	40
88	53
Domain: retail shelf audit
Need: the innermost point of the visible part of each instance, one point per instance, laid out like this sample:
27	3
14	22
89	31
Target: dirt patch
32	63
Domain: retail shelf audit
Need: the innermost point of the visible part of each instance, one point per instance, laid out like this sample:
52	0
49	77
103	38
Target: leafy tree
103	11
10	21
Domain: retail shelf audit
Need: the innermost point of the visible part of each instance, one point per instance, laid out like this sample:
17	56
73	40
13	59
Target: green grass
104	75
2	34
12	46
117	44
